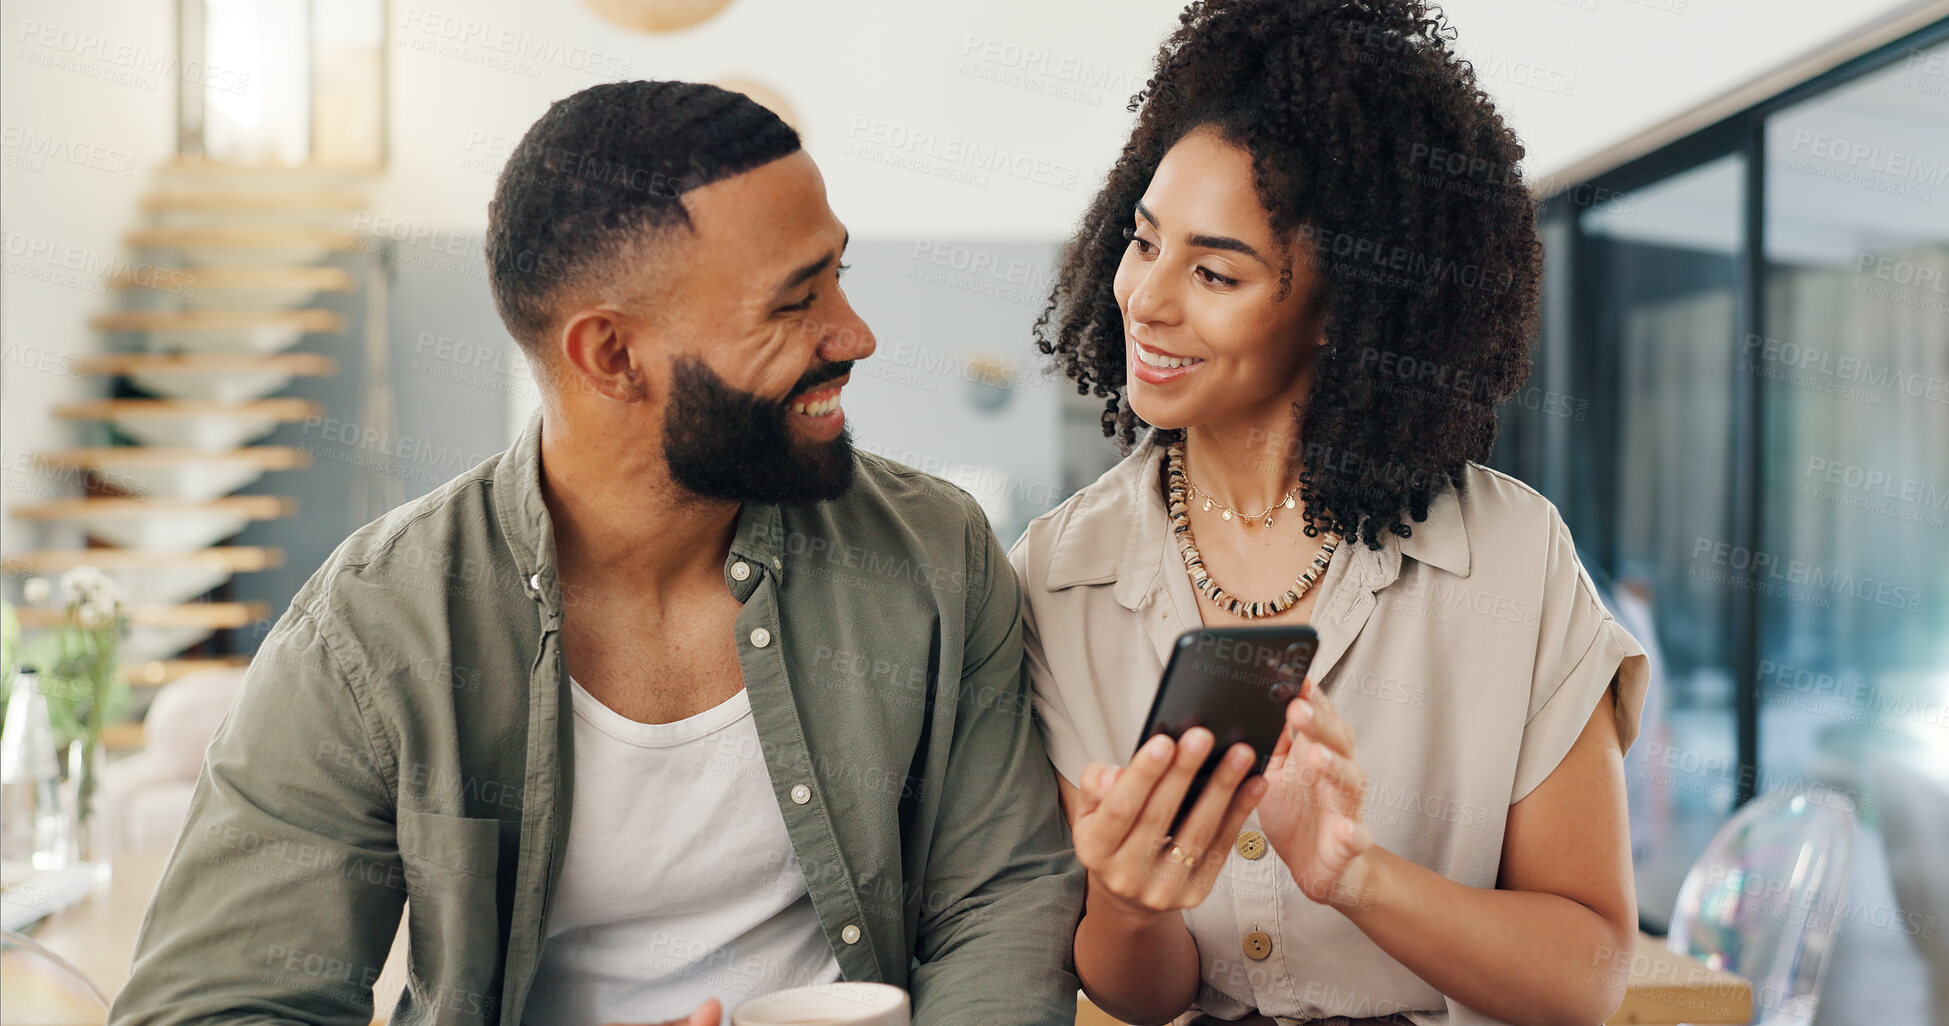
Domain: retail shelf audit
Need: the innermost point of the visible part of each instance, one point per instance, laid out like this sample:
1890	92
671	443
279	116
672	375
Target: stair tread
235	557
301	364
271	457
231	199
153	672
279	408
187	614
242	236
257	507
334	279
180	320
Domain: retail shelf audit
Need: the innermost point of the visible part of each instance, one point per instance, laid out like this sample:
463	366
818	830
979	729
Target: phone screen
1235	682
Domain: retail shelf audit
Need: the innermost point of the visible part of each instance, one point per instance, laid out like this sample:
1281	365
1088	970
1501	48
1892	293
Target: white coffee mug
845	1003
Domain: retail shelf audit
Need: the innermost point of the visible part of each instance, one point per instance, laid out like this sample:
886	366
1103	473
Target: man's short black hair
602	171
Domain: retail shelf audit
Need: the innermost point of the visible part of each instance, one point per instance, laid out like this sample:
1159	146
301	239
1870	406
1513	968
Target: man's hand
710	1013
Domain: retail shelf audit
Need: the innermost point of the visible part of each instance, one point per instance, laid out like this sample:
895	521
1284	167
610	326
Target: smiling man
677	701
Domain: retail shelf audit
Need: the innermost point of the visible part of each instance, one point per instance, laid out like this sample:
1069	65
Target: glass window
1851	566
1661	271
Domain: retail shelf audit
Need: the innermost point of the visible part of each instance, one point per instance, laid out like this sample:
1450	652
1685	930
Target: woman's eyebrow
1224	242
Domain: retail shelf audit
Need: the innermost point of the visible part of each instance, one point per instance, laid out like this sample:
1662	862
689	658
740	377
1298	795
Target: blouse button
1251	844
1257	945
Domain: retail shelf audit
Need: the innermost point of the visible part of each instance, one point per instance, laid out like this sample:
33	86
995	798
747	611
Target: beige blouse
1466	658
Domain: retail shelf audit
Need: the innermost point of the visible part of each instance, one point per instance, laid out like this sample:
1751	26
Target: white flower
37	591
89	587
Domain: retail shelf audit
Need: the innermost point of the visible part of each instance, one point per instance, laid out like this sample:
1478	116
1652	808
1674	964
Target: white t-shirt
680	882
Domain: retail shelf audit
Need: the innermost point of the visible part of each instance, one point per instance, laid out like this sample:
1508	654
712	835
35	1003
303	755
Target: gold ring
1180	856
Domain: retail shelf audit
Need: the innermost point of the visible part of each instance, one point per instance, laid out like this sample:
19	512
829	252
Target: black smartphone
1235	682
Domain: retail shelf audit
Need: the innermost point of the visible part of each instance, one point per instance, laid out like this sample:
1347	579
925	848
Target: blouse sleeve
1059	734
1581	651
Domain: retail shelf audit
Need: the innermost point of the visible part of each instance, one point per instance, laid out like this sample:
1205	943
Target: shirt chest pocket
453	917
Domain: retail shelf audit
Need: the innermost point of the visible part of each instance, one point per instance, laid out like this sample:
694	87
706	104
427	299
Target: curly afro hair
1375	151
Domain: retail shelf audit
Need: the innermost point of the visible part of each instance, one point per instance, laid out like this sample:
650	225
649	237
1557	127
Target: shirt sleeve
281	899
1581	651
1059	734
1003	891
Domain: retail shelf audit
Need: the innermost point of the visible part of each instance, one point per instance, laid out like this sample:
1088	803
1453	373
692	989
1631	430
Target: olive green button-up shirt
403	738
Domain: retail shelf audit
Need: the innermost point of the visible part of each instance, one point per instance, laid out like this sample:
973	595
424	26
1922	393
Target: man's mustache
819	376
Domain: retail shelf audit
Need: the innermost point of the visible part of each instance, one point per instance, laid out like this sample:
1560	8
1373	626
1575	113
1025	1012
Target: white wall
1042	80
1573	76
87	101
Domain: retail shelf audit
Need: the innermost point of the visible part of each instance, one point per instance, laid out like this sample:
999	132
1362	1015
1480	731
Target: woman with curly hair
1309	280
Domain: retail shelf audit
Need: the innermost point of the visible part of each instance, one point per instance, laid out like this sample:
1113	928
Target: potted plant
79	674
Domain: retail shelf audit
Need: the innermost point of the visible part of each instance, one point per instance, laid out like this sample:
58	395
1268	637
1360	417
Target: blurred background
244	310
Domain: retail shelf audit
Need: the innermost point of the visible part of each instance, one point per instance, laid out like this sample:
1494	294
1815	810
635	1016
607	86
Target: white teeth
1160	360
818	409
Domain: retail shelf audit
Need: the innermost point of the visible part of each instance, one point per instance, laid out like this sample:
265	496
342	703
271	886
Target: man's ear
603	354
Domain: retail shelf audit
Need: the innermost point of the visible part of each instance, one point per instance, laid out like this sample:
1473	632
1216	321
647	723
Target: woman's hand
1122	830
1312	813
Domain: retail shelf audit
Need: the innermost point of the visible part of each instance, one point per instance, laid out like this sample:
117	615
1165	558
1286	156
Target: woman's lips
1155	367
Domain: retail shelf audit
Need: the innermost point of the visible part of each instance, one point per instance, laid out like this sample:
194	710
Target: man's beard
723	443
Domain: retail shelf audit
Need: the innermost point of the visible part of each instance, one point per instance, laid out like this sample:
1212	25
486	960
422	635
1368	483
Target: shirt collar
1111	535
760	536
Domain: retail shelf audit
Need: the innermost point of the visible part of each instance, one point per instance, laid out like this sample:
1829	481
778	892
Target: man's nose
847	337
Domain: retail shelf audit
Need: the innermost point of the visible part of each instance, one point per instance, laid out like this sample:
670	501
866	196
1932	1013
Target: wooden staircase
216	313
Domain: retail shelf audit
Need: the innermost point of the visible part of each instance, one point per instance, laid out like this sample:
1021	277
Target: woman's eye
1215	278
1130	234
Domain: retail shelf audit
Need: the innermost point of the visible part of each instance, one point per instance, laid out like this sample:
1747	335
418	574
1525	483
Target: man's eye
803	304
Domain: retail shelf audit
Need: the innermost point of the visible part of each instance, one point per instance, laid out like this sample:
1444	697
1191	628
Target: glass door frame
1593	362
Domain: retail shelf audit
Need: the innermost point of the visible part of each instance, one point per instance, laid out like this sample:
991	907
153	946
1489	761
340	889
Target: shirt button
777	563
801	794
740	570
850	934
1257	945
1251	844
760	637
534	583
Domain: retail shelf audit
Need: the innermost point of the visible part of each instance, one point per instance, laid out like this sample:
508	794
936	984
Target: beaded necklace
1176	499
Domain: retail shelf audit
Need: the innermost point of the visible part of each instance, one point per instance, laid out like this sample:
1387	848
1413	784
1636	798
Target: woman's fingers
1202	825
1339	783
1154	825
1243	801
1124	791
1311	715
